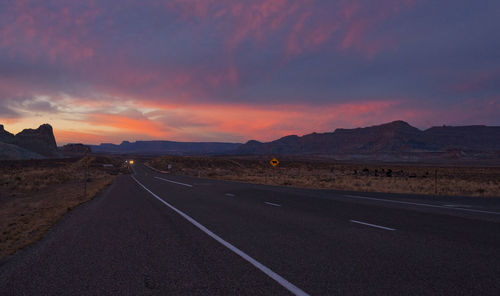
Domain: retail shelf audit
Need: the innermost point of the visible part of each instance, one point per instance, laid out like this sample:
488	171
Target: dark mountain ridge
394	141
383	141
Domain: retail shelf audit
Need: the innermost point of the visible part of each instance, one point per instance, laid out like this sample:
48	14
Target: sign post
274	162
86	173
436	182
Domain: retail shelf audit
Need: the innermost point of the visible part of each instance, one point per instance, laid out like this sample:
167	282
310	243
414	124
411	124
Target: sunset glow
222	70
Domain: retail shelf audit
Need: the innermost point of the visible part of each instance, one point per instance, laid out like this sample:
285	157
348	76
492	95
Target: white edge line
283	282
179	183
230	194
423	205
272	204
372	225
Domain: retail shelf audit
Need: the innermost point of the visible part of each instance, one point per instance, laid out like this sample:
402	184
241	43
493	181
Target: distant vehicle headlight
131	162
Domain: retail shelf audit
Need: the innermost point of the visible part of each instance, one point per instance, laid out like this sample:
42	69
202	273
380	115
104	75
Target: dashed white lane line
272	204
422	204
372	225
279	279
178	183
156	170
230	195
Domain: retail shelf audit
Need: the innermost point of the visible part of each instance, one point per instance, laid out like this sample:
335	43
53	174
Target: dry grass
394	178
34	196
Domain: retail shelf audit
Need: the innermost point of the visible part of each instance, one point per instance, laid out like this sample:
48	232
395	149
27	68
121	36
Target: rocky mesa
28	144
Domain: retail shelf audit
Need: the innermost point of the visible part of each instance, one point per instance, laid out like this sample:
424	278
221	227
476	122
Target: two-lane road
154	233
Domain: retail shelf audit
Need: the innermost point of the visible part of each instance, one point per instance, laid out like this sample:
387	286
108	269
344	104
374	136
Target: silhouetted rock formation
71	148
473	137
30	143
5	136
391	141
40	140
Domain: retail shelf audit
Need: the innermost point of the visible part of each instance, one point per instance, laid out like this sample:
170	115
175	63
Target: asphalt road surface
157	234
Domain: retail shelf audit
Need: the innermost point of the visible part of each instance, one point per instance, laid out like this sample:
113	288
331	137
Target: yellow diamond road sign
274	162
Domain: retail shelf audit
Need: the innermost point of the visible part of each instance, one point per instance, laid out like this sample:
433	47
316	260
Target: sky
231	71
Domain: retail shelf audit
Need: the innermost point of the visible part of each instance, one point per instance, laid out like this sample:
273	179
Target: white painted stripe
457	206
422	204
230	194
179	183
272	204
372	225
153	169
283	282
133	170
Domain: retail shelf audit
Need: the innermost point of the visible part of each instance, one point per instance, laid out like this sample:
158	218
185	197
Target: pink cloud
62	34
359	22
260	20
56	31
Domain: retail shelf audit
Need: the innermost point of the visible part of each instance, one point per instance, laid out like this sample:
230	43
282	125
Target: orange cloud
144	126
8	120
69	136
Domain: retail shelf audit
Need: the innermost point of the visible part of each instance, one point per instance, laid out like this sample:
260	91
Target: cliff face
5	136
30	143
40	140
